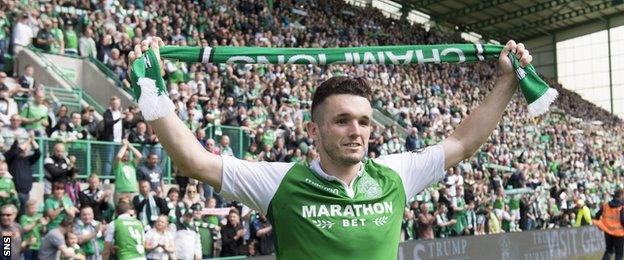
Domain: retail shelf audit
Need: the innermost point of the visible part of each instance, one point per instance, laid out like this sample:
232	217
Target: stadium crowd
553	171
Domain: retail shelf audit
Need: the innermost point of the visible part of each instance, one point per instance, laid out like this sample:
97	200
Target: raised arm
476	128
179	142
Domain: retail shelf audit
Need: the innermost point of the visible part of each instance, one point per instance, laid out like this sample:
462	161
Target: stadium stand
257	112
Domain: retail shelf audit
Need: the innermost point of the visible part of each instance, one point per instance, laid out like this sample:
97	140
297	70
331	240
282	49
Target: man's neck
345	173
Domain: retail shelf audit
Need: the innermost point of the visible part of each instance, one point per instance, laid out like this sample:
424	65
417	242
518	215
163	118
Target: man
71	39
20	161
26	81
224	147
58	206
125	234
152	172
45	38
14	131
187	239
90	234
611	222
22	33
95	198
125	171
35	114
262	231
112	131
313	218
232	235
425	221
87	44
58	167
54	241
147	206
8	106
9	228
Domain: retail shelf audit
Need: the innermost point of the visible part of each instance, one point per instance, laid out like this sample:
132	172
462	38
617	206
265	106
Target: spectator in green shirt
58	206
71	39
126	183
8	194
35	113
34	224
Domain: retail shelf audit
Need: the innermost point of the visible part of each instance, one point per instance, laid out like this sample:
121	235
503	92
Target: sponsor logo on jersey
354	210
319	186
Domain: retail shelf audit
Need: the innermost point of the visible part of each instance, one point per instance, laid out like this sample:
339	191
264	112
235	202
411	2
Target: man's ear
312	129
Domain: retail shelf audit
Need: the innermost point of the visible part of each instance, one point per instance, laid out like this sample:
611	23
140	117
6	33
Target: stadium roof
517	19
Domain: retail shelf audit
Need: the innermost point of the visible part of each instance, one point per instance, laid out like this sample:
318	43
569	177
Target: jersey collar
315	165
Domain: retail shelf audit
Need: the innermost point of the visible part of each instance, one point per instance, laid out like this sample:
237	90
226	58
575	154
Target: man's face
59	151
86	215
152	160
144	188
29	71
7	217
16	121
342	128
115	104
233	219
141	128
76	119
94	182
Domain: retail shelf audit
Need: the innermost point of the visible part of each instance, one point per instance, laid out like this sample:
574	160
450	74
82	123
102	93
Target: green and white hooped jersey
317	216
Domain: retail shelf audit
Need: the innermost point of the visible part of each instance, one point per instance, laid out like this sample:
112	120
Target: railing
106	70
239	138
95	156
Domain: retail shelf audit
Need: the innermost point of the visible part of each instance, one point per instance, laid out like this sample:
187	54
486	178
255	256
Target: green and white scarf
535	90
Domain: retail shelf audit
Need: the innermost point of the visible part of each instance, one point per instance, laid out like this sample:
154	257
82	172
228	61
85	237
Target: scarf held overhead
535	90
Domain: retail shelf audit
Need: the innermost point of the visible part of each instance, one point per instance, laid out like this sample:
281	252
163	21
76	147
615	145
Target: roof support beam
519	13
591	8
475	8
423	3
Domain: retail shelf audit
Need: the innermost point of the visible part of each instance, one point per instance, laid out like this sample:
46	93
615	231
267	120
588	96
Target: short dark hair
123	207
618	193
340	85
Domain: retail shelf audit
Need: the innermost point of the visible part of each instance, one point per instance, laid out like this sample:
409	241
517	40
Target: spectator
126	233
74	247
87	44
232	236
443	225
192	196
425	221
14	131
58	167
26	81
71	39
90	233
152	172
22	33
35	114
8	194
59	207
112	131
583	215
95	198
8	106
125	171
58	46
45	38
159	241
188	242
8	227
20	161
54	241
34	225
147	206
262	231
224	147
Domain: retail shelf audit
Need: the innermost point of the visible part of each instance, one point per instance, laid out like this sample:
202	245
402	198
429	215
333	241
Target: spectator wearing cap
187	239
147	206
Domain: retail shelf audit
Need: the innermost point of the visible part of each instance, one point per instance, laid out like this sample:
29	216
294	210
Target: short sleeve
417	169
252	183
57	240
